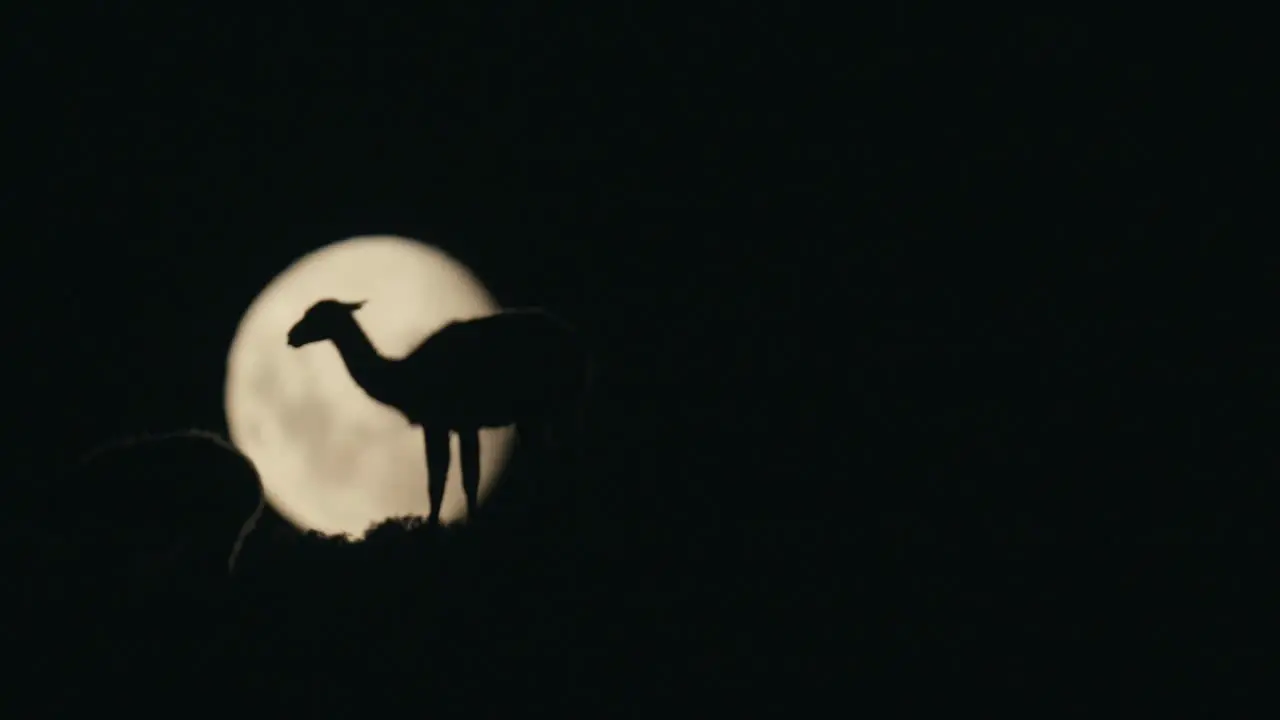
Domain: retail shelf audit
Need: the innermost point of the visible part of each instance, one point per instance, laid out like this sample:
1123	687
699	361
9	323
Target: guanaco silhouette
519	367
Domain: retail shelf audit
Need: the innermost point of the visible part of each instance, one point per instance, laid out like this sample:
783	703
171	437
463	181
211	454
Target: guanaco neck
367	367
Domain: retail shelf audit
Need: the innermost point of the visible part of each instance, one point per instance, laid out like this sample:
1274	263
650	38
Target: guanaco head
321	321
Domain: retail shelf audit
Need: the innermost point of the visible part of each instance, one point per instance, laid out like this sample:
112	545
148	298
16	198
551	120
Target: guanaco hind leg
469	446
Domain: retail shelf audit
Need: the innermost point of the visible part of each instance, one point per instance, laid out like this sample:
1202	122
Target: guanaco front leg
438	459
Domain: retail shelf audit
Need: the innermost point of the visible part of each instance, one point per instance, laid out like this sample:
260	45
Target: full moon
331	458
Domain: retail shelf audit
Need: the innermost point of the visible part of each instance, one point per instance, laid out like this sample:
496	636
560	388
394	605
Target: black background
866	288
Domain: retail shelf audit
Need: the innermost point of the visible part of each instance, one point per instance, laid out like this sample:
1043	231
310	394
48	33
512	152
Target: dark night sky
929	276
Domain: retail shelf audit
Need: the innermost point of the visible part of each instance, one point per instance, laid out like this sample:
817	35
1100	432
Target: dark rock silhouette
522	367
143	504
144	531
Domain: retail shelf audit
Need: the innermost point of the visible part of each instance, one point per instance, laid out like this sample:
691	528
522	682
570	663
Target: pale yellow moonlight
331	458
